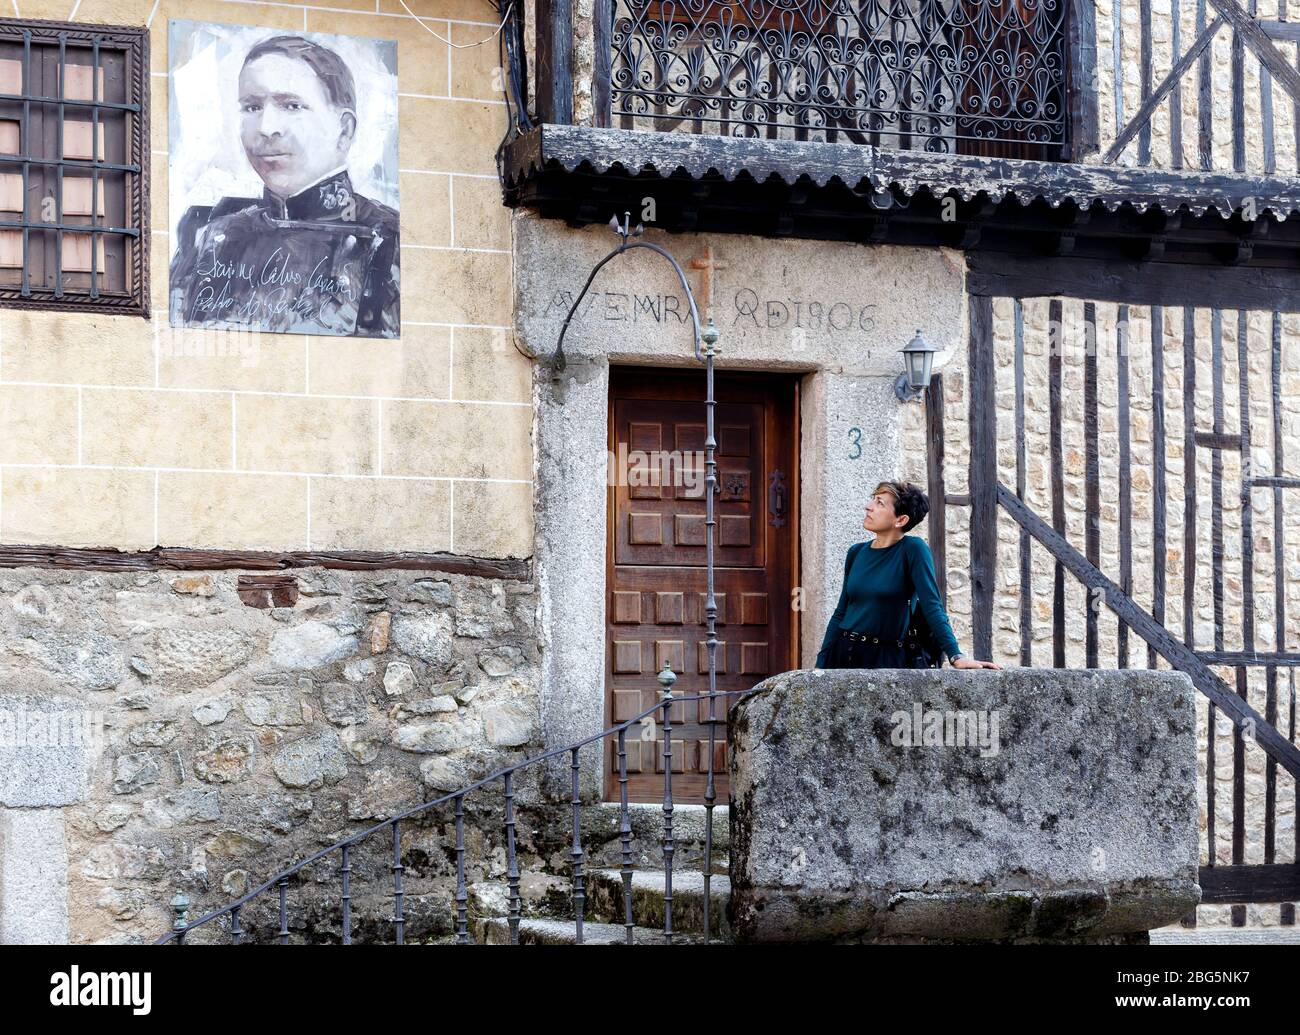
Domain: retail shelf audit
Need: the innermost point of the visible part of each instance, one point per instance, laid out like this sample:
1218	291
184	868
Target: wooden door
656	575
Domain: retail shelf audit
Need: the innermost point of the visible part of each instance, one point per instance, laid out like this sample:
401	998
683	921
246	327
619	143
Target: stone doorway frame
846	395
571	439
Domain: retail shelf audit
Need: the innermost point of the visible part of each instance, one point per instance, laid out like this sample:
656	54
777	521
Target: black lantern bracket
918	363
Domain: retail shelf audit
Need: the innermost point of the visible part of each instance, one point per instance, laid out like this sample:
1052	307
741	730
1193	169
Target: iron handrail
626	232
231	908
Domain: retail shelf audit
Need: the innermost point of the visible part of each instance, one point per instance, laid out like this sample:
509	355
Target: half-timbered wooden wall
1223	582
1218	76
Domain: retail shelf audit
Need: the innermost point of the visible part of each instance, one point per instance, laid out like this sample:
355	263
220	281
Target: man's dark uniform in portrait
292	264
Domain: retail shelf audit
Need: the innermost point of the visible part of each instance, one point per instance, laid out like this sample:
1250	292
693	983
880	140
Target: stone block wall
123	432
235	735
1023	805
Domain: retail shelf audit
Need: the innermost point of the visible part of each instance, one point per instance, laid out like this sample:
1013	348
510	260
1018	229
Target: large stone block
79	507
33	877
48	749
784	304
1023	804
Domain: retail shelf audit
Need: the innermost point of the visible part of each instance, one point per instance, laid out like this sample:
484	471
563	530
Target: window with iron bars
981	77
73	179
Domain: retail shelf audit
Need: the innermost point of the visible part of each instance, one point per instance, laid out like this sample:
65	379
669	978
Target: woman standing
880	577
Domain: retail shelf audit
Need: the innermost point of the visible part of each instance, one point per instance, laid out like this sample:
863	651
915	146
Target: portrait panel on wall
283	182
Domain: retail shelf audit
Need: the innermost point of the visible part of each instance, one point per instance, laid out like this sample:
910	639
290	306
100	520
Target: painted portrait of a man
311	251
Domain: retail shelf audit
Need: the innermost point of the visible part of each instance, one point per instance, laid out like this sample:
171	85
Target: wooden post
1082	134
602	31
1160	548
1026	576
1091	477
555	61
938	516
983	474
1125	478
1056	345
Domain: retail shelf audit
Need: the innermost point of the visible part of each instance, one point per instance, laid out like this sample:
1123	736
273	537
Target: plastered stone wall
122	432
218	742
1006	622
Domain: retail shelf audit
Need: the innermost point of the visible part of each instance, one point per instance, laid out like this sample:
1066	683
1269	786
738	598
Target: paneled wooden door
655	570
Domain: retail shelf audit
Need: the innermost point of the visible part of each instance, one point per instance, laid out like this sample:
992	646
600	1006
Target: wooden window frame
120	285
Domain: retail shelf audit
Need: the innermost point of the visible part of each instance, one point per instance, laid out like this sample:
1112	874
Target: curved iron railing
705	343
506	777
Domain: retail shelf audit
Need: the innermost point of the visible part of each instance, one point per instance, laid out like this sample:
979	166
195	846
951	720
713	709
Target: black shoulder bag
920	646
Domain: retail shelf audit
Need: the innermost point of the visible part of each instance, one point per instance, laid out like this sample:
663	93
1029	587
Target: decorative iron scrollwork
968	76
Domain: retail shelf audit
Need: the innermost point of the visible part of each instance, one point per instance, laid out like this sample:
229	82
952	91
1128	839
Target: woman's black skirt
851	650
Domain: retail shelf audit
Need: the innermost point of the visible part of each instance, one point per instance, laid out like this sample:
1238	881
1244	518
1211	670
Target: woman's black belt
866	639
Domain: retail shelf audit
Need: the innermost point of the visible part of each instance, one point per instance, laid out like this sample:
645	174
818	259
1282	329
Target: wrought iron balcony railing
979	77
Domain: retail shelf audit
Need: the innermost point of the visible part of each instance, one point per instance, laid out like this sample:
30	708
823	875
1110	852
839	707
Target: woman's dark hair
909	501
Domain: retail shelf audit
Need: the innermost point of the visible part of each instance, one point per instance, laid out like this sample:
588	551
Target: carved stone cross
708	264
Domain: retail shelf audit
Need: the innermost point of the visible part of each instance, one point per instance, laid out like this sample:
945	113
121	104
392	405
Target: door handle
777	493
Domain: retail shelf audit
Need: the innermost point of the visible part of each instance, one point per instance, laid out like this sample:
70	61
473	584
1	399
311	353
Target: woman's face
880	516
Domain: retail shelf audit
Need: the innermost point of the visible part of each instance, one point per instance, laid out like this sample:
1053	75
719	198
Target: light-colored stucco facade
131	433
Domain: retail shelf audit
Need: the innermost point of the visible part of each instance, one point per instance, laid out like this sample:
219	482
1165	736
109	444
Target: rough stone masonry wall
237	739
124	432
1006	637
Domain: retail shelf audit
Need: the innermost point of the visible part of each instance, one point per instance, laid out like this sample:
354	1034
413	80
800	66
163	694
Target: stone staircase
1219	935
603	917
603	914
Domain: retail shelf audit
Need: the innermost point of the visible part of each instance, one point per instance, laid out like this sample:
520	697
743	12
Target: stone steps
603	912
605	900
1226	936
604	847
496	931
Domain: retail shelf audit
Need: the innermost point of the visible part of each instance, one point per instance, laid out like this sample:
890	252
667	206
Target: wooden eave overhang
834	191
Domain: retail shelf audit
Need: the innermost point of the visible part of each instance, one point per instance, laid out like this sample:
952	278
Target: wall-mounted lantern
918	358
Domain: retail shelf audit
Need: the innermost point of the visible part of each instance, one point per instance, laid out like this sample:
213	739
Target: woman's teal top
879	585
